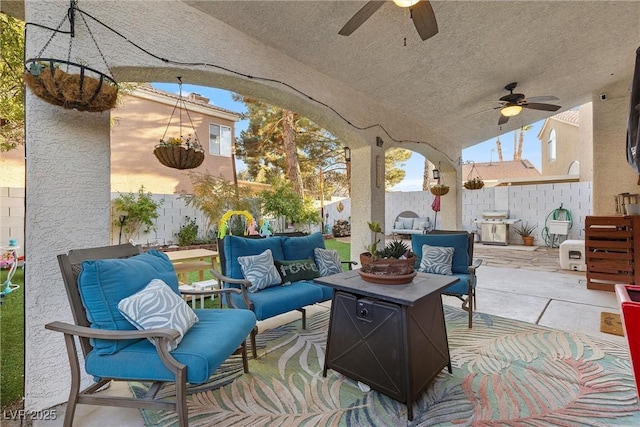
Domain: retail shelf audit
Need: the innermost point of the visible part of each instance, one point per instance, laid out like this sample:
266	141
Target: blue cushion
104	283
203	349
281	299
459	288
458	241
327	292
301	247
235	246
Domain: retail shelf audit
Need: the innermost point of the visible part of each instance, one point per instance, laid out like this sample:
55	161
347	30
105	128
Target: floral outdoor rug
505	373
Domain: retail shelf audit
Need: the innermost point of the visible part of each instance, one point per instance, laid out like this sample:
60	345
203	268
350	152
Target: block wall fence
530	203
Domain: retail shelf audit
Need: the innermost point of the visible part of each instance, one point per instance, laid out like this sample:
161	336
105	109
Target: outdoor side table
390	337
201	289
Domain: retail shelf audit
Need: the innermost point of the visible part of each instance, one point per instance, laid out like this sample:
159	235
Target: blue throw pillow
437	260
104	283
259	270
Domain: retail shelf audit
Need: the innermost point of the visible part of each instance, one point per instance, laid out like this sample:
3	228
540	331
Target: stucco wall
138	126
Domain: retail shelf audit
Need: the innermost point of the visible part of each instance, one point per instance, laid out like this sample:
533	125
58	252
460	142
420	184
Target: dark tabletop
422	285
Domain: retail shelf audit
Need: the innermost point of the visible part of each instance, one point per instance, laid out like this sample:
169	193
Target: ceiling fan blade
360	16
542	99
502	120
543	107
424	19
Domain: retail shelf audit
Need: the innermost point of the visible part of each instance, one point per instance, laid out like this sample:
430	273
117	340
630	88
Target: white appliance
572	255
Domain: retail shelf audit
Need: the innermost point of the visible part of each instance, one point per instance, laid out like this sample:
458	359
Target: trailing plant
140	211
188	234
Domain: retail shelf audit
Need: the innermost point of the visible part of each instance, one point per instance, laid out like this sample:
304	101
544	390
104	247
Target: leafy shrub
188	234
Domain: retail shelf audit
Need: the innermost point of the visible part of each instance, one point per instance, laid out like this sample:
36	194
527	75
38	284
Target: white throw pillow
158	306
398	225
260	270
437	259
328	261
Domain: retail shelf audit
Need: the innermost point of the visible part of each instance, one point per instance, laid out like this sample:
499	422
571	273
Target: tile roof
500	170
569	116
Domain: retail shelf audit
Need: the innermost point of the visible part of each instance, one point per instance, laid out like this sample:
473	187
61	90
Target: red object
629	299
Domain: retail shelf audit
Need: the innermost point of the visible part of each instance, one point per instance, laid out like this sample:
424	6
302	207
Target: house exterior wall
139	124
567	147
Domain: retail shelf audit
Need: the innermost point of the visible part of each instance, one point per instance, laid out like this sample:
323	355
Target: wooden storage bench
612	246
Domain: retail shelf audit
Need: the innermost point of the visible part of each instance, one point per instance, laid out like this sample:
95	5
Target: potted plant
179	152
474	184
391	265
439	189
525	230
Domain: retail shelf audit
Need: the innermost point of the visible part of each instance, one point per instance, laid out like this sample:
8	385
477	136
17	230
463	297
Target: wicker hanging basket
473	182
439	190
82	88
179	157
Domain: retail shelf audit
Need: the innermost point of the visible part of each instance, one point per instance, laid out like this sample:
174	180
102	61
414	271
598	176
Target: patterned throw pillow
301	269
158	306
328	261
437	259
259	270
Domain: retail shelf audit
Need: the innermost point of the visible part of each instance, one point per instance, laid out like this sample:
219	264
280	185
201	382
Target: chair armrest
244	285
350	264
108	334
473	267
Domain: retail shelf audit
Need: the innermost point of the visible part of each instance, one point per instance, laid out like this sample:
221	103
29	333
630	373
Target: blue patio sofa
274	300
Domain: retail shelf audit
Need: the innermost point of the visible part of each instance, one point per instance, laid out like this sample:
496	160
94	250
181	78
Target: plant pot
386	271
439	191
528	240
179	157
79	91
473	185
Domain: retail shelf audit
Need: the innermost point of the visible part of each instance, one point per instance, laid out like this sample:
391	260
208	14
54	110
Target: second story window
219	140
551	146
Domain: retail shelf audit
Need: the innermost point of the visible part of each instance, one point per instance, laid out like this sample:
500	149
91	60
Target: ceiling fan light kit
511	110
405	3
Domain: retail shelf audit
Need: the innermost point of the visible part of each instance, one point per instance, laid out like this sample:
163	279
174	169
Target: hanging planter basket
439	190
475	183
80	87
179	156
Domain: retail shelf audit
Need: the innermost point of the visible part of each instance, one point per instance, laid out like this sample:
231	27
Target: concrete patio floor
515	282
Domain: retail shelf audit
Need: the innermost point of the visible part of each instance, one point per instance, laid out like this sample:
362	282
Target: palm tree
517	155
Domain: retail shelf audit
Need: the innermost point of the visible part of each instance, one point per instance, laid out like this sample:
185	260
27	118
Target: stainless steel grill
495	227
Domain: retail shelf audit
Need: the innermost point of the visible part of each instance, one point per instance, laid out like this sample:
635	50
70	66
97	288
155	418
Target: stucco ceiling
570	49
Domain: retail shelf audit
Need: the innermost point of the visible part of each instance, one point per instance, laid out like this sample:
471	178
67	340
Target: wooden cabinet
612	251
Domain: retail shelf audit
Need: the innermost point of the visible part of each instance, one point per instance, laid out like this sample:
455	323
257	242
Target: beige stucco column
611	173
367	195
450	216
67	206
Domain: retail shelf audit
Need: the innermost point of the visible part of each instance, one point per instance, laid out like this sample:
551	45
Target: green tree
269	157
282	202
11	86
214	196
394	172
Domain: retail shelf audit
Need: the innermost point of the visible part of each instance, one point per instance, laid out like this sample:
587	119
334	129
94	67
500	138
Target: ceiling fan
513	103
420	10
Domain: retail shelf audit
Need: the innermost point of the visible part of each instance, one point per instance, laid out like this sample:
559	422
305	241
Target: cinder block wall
11	215
530	203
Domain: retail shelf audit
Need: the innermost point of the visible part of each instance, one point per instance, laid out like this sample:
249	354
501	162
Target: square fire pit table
391	337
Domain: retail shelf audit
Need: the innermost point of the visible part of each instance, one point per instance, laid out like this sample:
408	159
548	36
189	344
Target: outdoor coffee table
391	337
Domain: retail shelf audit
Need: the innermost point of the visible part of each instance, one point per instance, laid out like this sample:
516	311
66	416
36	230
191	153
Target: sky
414	167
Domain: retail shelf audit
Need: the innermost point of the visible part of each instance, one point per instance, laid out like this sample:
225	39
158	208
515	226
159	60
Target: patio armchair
98	281
460	264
